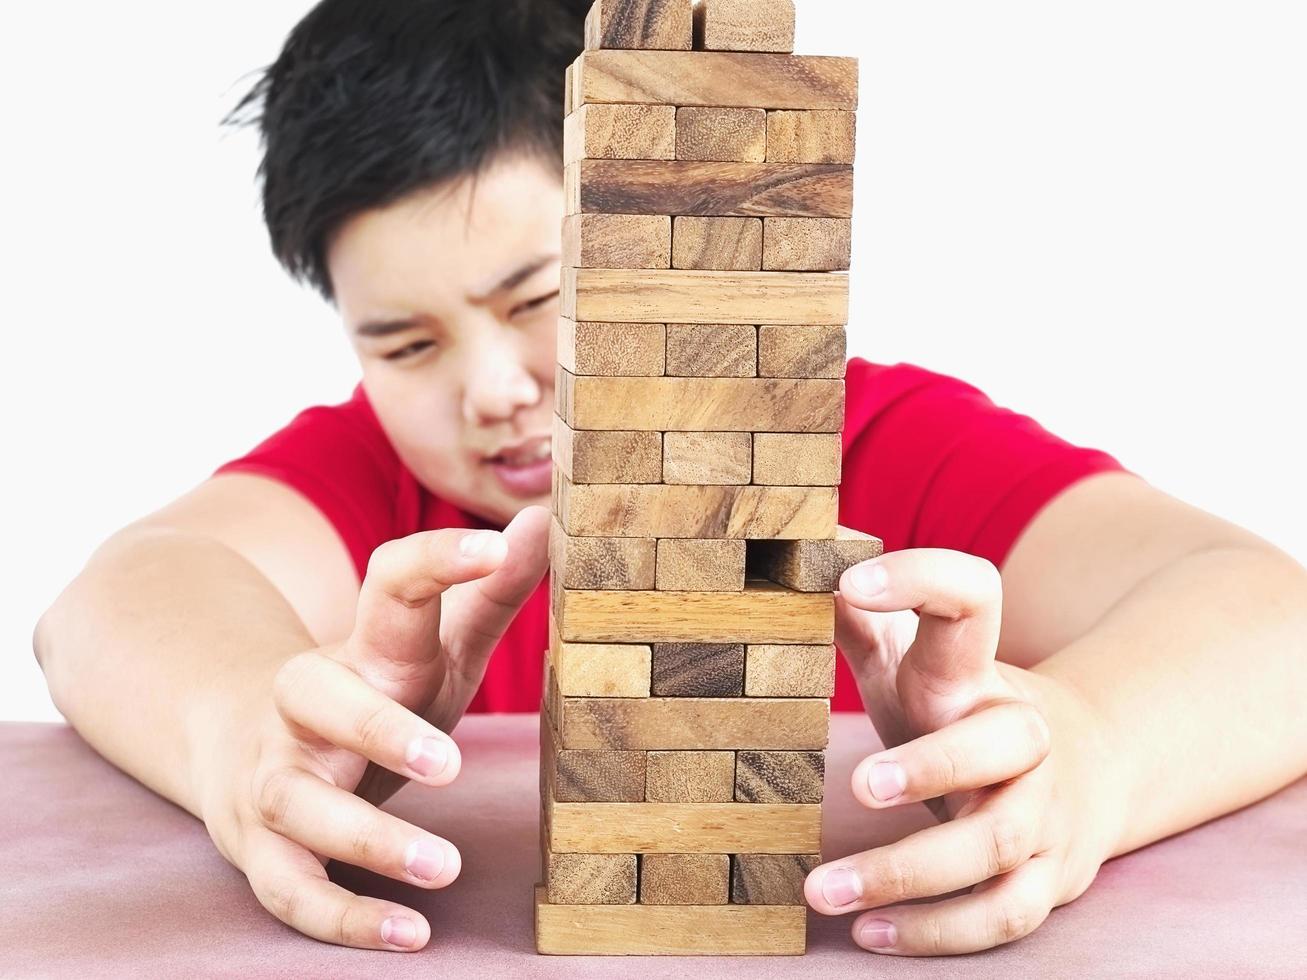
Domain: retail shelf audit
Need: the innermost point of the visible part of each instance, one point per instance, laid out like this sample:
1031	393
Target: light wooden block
811	136
812	565
685	879
569	93
770	879
721	134
707	458
779	670
628	350
712	350
607	456
693	723
698	670
779	777
717	244
589	775
603	670
806	244
592	879
684	828
669	930
744	25
650	24
708	565
798	352
617	241
690	777
797	459
747	80
620	132
602	563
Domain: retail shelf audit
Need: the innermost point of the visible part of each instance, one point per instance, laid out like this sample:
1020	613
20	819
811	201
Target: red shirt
929	461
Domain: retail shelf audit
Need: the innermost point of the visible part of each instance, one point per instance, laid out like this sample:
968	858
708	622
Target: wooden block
603	563
684	828
693	723
744	25
603	670
592	879
706	458
685	879
806	244
628	350
698	670
812	565
797	459
747	80
667	511
681	187
589	775
787	670
669	930
779	777
717	244
569	93
700	404
620	132
770	879
798	352
617	241
590	456
709	565
690	777
762	613
721	134
712	350
811	136
659	24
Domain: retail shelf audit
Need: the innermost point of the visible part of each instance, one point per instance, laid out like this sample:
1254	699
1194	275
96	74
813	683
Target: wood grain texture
591	879
806	244
698	670
759	614
811	136
600	670
669	930
690	777
717	244
617	241
712	350
687	187
591	456
779	777
700	565
770	879
685	879
649	24
589	775
700	404
620	132
744	25
614	349
698	78
797	459
684	828
781	670
721	134
799	352
693	723
812	565
708	458
603	563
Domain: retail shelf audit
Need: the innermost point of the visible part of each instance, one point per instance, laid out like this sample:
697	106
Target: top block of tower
660	25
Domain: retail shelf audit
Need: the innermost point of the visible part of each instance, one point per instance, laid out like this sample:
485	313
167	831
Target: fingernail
877	934
887	781
424	859
427	756
475	543
870	580
399	932
841	886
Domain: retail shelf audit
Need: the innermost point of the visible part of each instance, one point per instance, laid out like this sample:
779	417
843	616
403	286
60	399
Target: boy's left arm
1164	649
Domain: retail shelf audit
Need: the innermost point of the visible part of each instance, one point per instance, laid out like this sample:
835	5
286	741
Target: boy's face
450	298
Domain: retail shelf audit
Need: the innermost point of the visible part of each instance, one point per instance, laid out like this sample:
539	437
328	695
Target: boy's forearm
161	639
1198	675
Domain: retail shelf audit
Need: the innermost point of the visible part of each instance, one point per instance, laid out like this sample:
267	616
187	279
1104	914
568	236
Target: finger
322	698
336	824
994	839
1013	907
291	883
998	742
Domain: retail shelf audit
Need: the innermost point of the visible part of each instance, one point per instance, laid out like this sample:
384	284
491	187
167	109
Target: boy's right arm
213	652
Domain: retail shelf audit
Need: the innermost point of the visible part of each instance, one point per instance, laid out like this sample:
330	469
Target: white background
1096	212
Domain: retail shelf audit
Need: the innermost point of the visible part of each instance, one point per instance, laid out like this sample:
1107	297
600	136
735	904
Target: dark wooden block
779	777
770	879
813	565
712	350
800	352
591	879
663	25
698	670
590	775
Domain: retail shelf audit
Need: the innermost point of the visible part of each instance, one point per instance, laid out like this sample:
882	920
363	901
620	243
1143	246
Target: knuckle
274	794
340	933
1037	733
947	767
368	843
931	938
279	895
1011	921
1005	839
372	728
896	877
291	677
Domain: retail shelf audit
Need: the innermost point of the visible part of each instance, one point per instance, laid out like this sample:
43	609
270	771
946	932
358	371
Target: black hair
371	100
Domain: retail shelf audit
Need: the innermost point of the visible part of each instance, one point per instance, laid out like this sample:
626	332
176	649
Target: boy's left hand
1014	758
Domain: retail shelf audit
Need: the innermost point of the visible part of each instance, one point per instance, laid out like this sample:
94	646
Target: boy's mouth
524	469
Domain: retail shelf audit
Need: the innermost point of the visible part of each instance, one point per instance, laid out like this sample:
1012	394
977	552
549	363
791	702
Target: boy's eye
408	351
535	304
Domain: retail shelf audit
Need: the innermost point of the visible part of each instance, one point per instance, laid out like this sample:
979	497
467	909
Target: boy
280	648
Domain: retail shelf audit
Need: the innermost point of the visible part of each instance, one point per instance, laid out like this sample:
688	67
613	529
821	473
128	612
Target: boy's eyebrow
515	278
384	328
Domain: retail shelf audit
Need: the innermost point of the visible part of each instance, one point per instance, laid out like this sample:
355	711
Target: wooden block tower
700	399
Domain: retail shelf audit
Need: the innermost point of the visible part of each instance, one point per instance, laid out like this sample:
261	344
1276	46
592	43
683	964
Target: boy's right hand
291	782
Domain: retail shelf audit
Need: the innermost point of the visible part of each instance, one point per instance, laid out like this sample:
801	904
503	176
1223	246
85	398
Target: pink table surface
99	877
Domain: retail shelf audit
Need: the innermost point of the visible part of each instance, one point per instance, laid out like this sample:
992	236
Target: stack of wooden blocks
700	399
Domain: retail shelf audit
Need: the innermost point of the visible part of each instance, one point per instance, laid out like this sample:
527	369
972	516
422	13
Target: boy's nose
497	387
